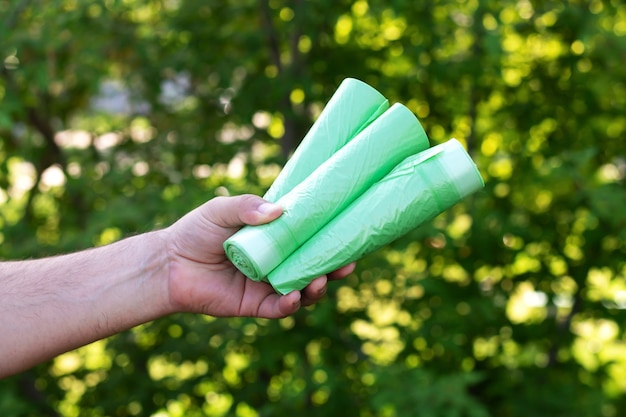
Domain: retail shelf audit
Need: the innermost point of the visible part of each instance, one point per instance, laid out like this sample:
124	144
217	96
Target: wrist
162	265
134	290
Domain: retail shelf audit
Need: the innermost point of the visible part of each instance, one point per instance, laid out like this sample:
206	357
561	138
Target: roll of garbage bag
350	110
419	188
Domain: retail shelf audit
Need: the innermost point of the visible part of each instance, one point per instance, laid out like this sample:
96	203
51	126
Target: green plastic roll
351	109
418	189
396	134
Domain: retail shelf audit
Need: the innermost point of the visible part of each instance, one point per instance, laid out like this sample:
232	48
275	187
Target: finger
290	303
342	272
278	307
240	210
313	292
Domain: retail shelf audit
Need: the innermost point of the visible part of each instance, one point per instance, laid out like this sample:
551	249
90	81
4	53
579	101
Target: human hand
201	279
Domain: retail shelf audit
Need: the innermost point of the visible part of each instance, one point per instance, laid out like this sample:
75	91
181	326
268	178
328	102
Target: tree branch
272	36
287	72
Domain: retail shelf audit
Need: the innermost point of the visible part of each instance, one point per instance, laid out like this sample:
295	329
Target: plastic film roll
351	109
418	189
396	134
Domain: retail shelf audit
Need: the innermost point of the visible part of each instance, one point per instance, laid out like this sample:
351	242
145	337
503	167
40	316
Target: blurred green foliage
118	116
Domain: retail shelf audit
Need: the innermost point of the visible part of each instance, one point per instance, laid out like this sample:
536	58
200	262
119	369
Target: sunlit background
119	116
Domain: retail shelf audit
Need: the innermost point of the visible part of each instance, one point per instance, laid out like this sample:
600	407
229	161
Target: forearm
53	305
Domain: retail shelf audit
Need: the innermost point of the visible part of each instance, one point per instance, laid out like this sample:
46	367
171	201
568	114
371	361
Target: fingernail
267	208
298	301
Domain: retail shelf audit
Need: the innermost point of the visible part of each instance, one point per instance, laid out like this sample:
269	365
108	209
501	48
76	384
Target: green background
117	117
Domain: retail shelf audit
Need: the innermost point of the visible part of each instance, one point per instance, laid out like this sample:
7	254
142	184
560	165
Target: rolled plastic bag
419	188
350	110
396	134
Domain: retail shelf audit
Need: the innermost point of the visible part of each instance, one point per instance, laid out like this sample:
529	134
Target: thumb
241	210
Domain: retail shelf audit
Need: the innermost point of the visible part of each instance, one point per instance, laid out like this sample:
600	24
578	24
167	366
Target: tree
119	116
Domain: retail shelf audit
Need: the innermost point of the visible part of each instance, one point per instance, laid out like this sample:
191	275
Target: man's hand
201	279
52	305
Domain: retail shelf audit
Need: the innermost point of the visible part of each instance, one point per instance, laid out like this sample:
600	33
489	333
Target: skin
53	305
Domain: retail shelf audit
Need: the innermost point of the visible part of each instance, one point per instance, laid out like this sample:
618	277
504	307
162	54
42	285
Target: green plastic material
350	110
418	189
349	172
